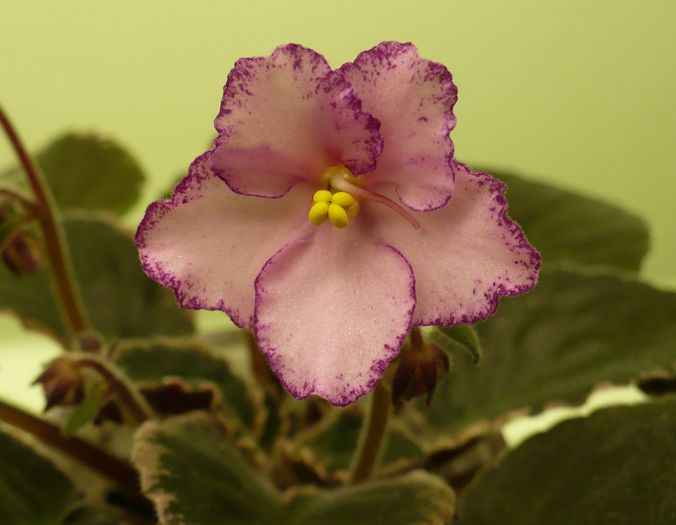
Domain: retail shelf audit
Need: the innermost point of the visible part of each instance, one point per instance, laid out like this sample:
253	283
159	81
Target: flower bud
419	371
22	254
62	382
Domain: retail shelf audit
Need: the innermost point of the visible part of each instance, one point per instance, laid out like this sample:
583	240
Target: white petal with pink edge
286	118
466	255
413	98
209	244
332	311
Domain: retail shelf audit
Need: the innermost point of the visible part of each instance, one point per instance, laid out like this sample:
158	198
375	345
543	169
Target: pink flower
412	236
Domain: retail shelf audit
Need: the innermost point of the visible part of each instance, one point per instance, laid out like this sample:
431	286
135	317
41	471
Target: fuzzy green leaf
120	299
154	359
567	227
417	498
572	332
87	171
33	491
196	476
615	467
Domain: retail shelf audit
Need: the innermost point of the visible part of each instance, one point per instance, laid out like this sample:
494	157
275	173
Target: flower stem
372	435
131	399
57	252
98	460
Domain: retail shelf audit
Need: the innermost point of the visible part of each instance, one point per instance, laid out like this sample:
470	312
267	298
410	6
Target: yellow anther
322	196
338	215
342	198
319	212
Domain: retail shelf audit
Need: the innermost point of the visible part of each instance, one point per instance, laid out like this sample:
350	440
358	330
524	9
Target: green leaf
153	359
96	516
87	171
614	467
417	498
465	336
567	227
196	476
120	299
33	491
572	332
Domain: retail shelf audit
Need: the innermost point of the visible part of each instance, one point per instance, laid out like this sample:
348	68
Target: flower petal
413	98
332	311
209	244
286	118
467	254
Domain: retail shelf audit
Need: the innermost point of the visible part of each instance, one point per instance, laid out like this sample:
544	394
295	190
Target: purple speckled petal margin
285	119
343	332
467	254
413	98
208	243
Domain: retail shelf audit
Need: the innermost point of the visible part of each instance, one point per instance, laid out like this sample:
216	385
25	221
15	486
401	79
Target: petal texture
467	254
286	118
413	98
331	313
209	244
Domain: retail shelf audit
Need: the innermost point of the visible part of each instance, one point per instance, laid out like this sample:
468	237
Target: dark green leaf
615	467
86	171
572	332
464	336
417	498
568	227
153	359
120	299
196	476
33	491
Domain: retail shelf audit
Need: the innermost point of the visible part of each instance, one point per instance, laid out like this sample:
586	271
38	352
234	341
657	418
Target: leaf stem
57	252
100	461
131	399
372	435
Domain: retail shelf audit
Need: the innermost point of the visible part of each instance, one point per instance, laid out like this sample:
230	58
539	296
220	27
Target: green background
577	93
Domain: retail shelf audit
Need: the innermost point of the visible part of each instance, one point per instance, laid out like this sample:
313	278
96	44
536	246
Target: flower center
338	199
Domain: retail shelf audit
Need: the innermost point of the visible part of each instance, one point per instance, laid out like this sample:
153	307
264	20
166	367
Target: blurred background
576	93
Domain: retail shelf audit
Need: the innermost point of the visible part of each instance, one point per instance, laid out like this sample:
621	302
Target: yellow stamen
342	199
338	215
322	196
319	212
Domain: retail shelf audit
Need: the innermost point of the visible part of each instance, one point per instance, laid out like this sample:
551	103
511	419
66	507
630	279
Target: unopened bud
62	382
22	254
418	373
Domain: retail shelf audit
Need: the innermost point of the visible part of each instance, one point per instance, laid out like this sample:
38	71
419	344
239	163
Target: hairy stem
112	468
57	252
372	436
131	399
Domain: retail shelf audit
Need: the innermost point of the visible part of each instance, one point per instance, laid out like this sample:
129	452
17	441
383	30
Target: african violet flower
331	217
